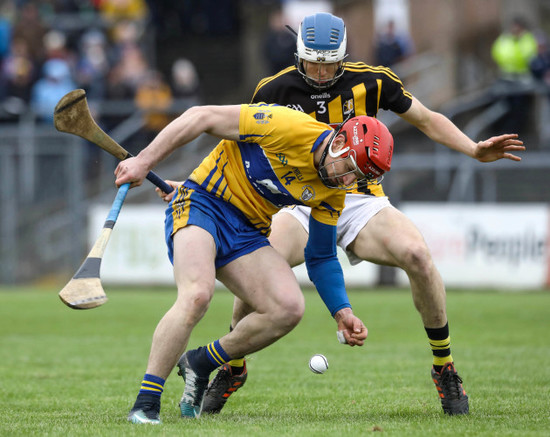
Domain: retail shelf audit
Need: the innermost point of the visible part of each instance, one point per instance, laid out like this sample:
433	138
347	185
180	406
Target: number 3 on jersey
321	107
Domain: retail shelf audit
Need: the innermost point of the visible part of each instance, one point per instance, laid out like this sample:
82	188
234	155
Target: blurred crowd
49	47
41	58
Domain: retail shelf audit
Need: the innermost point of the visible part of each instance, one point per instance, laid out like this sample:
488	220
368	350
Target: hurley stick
72	115
84	290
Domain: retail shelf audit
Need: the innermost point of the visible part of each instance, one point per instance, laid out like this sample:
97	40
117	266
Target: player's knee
417	259
296	310
290	312
195	299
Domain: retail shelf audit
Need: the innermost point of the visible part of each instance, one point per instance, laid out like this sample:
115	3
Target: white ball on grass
318	363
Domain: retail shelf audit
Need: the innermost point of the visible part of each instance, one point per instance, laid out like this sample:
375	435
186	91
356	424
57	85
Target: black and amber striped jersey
362	90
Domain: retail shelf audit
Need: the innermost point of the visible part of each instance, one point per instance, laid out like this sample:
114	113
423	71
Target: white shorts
360	208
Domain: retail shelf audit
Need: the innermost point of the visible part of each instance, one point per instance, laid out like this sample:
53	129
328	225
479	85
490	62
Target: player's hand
167	197
353	329
131	170
499	147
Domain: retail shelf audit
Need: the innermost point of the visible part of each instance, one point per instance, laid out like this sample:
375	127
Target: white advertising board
136	252
485	245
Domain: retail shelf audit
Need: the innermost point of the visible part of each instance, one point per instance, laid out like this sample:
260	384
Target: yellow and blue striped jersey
362	90
271	166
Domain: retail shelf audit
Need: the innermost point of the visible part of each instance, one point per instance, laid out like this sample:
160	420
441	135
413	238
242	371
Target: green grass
76	373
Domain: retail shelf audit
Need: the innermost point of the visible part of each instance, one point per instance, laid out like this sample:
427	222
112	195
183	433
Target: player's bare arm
219	121
443	131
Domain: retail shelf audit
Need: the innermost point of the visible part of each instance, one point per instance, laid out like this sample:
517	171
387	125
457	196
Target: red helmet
370	144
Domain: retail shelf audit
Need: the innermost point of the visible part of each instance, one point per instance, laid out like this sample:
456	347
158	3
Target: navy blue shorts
232	232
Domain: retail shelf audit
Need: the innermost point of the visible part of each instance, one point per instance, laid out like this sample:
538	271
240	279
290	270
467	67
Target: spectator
127	74
540	68
154	97
29	26
93	65
17	76
55	47
127	60
116	10
512	51
124	33
55	83
540	64
185	81
279	44
7	9
392	47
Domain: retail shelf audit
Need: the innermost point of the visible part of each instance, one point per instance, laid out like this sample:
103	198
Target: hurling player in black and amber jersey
362	90
327	88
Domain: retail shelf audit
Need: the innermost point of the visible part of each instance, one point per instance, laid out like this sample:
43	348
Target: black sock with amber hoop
440	342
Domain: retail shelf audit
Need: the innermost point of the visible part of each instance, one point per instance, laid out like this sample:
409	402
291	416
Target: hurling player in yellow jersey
218	222
370	228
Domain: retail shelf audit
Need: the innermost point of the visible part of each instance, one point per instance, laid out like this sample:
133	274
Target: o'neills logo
308	193
320	96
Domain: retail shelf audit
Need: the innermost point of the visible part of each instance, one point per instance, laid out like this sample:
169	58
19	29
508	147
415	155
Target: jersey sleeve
323	267
261	93
255	124
394	97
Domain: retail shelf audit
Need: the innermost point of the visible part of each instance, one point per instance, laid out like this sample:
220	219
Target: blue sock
216	354
152	384
207	358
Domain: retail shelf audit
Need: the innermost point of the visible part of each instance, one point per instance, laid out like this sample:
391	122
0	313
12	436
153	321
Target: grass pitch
66	372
